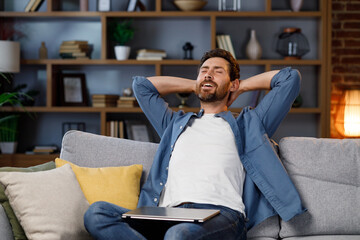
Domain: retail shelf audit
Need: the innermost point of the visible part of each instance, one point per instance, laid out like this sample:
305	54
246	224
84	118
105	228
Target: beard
217	94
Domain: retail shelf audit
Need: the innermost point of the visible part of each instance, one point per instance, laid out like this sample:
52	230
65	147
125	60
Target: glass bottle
229	5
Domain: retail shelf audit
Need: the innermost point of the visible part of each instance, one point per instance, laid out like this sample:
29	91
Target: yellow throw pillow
117	185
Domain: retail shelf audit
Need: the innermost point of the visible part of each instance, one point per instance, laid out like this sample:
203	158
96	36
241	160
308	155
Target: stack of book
75	49
104	100
127	102
33	5
224	42
44	150
150	54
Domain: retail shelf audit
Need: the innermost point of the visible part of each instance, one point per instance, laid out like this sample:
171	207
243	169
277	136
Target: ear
234	85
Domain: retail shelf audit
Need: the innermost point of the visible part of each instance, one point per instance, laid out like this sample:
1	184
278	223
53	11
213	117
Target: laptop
171	214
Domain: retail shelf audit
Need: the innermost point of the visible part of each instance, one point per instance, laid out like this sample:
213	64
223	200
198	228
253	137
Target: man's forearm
166	85
258	82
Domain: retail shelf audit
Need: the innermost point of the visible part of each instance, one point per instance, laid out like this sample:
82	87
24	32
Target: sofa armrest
5	228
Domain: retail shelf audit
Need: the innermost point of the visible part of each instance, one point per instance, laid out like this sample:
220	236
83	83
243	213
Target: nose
208	75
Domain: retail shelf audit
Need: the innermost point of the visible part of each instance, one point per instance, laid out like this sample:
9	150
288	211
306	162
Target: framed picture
104	5
137	130
73	90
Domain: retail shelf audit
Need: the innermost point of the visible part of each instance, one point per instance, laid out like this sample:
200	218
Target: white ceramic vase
122	52
296	5
8	147
253	48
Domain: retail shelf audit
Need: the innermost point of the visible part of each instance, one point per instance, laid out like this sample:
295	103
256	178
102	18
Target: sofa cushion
5	228
117	185
77	147
268	229
49	204
16	228
327	237
326	174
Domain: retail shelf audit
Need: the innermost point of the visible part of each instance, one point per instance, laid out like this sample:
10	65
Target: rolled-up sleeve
152	104
285	87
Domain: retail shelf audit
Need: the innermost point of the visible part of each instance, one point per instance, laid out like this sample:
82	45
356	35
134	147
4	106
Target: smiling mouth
208	85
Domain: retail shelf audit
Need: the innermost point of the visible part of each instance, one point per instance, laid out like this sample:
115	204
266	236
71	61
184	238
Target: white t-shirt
205	166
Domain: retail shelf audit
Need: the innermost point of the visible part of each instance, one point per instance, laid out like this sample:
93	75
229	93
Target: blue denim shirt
267	188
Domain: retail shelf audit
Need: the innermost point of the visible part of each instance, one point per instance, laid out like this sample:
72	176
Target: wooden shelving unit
51	66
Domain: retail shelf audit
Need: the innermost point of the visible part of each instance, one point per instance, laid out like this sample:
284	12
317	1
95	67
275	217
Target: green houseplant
8	123
122	33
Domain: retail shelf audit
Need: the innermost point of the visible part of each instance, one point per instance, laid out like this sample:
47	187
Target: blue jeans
103	221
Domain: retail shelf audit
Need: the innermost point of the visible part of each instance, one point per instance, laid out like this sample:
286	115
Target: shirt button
161	184
167	168
155	199
181	127
172	146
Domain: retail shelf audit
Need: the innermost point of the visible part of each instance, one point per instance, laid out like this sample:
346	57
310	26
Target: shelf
162	62
200	28
156	14
25	160
127	110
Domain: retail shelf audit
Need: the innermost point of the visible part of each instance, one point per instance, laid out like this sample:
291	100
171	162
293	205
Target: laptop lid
172	214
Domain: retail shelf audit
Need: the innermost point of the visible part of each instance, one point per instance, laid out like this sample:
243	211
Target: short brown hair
233	65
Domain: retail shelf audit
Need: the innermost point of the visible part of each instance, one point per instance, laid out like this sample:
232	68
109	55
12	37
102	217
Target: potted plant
9	123
121	33
8	134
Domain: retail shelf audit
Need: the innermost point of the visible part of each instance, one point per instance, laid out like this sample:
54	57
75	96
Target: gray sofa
325	171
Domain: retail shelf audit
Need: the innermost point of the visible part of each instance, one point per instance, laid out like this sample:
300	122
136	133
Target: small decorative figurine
43	51
188	47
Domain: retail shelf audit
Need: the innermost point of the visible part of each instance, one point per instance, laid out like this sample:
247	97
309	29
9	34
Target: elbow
298	74
296	77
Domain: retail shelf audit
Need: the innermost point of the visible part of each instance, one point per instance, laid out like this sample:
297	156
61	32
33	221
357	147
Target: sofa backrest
92	150
326	173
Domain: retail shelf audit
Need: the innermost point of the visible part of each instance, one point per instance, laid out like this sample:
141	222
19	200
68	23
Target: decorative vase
296	5
8	147
43	51
229	5
292	44
253	48
84	5
122	52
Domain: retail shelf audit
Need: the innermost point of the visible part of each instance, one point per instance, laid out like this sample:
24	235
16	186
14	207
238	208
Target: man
210	159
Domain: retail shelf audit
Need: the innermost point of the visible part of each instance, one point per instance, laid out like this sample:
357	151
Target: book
72	54
105	96
132	5
127	102
151	51
229	45
115	128
29	5
44	149
149	58
36	5
219	42
74	47
74	42
150	54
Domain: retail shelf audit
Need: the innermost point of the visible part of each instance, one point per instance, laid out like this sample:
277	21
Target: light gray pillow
326	173
48	204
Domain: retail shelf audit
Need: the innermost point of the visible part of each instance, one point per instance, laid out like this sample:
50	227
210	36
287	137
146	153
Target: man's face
213	81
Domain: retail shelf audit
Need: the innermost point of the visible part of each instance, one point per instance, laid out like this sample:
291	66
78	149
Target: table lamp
9	57
347	121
